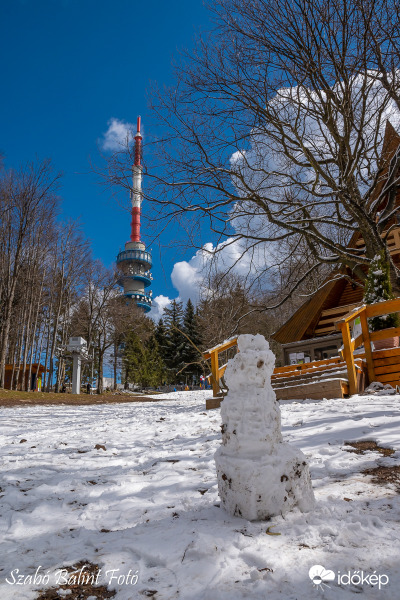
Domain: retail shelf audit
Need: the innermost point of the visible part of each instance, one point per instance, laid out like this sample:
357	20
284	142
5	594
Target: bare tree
71	256
275	130
42	273
28	204
381	23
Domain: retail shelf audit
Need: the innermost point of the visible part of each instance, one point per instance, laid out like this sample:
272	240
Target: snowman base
257	488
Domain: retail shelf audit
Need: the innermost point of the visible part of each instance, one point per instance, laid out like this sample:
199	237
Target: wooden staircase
334	377
315	380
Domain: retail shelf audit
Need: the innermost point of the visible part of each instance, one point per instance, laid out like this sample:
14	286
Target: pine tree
175	341
143	362
191	328
154	364
161	337
133	357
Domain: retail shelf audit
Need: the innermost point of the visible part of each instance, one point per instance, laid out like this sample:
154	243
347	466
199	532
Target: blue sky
68	67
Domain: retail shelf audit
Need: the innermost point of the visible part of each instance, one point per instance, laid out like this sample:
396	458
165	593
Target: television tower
135	262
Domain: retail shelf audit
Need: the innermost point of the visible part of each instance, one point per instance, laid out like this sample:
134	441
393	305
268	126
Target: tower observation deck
135	262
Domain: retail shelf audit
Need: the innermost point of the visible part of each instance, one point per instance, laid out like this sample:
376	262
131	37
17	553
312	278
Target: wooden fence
217	371
366	337
383	365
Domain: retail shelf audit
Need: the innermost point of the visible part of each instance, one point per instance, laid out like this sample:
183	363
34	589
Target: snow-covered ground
153	492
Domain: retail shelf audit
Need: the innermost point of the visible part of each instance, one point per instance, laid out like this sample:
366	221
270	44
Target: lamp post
78	348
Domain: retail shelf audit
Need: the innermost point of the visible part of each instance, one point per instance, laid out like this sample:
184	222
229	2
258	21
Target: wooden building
324	356
14	373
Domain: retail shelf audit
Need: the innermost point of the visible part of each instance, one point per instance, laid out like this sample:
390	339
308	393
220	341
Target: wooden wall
387	366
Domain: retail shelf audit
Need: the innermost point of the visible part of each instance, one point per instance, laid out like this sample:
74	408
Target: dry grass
385	475
11	398
368	445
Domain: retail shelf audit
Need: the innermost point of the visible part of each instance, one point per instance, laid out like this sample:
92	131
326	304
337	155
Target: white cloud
266	168
116	134
232	255
158	305
190	277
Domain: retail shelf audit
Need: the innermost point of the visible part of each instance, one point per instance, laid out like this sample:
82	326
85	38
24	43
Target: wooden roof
317	315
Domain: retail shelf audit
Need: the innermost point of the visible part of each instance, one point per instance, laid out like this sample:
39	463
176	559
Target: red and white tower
136	194
135	262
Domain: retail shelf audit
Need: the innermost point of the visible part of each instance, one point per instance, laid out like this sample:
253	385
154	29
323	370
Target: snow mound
259	475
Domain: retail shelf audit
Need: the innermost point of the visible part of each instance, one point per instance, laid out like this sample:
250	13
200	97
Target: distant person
63	389
88	388
186	388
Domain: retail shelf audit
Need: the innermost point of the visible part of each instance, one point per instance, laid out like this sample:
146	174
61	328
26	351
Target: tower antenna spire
135	262
138	145
136	195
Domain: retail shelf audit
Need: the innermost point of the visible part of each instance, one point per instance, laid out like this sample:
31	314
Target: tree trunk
100	373
115	366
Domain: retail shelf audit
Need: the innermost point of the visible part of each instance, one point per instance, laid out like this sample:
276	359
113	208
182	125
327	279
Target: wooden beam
214	371
348	356
310	365
221	348
386	362
324	330
221	371
346	308
387	353
390	377
384	369
367	346
277	373
359	340
350	316
383	308
384	334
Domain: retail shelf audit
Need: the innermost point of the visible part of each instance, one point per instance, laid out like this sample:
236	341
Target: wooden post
214	371
367	346
348	356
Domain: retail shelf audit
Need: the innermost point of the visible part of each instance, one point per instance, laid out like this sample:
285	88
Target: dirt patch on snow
81	584
384	475
380	475
368	445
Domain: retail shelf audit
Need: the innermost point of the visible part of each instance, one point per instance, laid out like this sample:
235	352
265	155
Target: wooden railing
349	344
217	371
366	337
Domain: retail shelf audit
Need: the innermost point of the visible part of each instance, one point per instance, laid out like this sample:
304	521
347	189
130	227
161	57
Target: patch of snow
154	505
